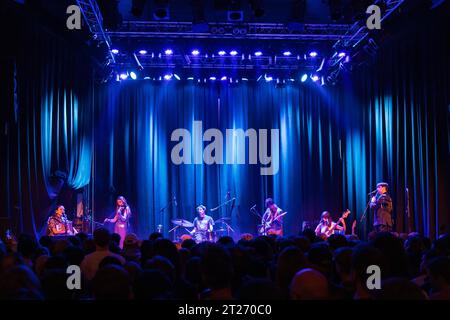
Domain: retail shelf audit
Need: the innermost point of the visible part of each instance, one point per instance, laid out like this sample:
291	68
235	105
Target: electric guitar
265	228
330	230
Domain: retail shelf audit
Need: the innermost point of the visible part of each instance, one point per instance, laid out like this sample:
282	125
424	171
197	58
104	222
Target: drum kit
201	236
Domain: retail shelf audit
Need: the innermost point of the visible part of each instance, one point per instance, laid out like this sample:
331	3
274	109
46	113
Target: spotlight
224	78
313	54
304	77
142	52
244	79
315	78
259	78
212	78
221	53
287	53
168	52
190	78
258	53
233	52
133	75
115	51
123	76
268	78
161	10
195	52
167	76
341	54
235	12
176	76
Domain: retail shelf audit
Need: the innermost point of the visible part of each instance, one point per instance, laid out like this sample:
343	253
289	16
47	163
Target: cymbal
220	230
225	219
182	223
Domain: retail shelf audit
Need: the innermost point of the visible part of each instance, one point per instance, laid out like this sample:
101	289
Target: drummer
203	225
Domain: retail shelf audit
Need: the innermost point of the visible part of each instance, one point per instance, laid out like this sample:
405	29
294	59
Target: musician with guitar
271	221
327	227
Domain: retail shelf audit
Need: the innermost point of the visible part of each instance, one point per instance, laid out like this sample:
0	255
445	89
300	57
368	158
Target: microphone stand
367	207
162	213
222	204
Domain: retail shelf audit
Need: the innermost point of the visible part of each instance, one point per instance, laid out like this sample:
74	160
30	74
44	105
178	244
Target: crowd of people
302	267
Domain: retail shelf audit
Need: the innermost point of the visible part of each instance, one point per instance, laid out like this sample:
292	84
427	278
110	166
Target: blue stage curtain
49	148
133	151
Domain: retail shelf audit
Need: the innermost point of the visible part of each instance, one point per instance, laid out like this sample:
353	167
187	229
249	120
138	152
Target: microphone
374	191
175	201
253	208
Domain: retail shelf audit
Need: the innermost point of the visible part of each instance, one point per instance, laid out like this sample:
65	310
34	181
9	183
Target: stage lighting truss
359	31
94	20
258	31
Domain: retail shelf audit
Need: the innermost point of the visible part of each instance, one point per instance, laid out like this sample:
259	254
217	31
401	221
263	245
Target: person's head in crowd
302	243
27	246
20	283
39	265
11	260
134	270
82	236
259	289
192	273
115	239
309	284
131	248
166	248
152	285
342	258
392	247
310	234
109	260
262	247
282	243
155	235
162	264
217	271
59	246
337	241
442	244
399	289
427	256
226	241
102	239
112	282
146	250
188	243
54	285
74	241
439	277
321	257
185	255
47	242
89	246
74	255
246	237
290	261
56	262
363	256
41	251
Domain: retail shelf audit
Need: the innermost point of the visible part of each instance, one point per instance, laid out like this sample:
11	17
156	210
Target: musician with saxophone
272	220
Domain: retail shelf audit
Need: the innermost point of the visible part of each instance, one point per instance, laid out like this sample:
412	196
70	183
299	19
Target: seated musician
326	226
203	225
58	224
272	221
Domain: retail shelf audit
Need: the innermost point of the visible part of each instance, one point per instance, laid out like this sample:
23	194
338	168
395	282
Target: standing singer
381	204
121	217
